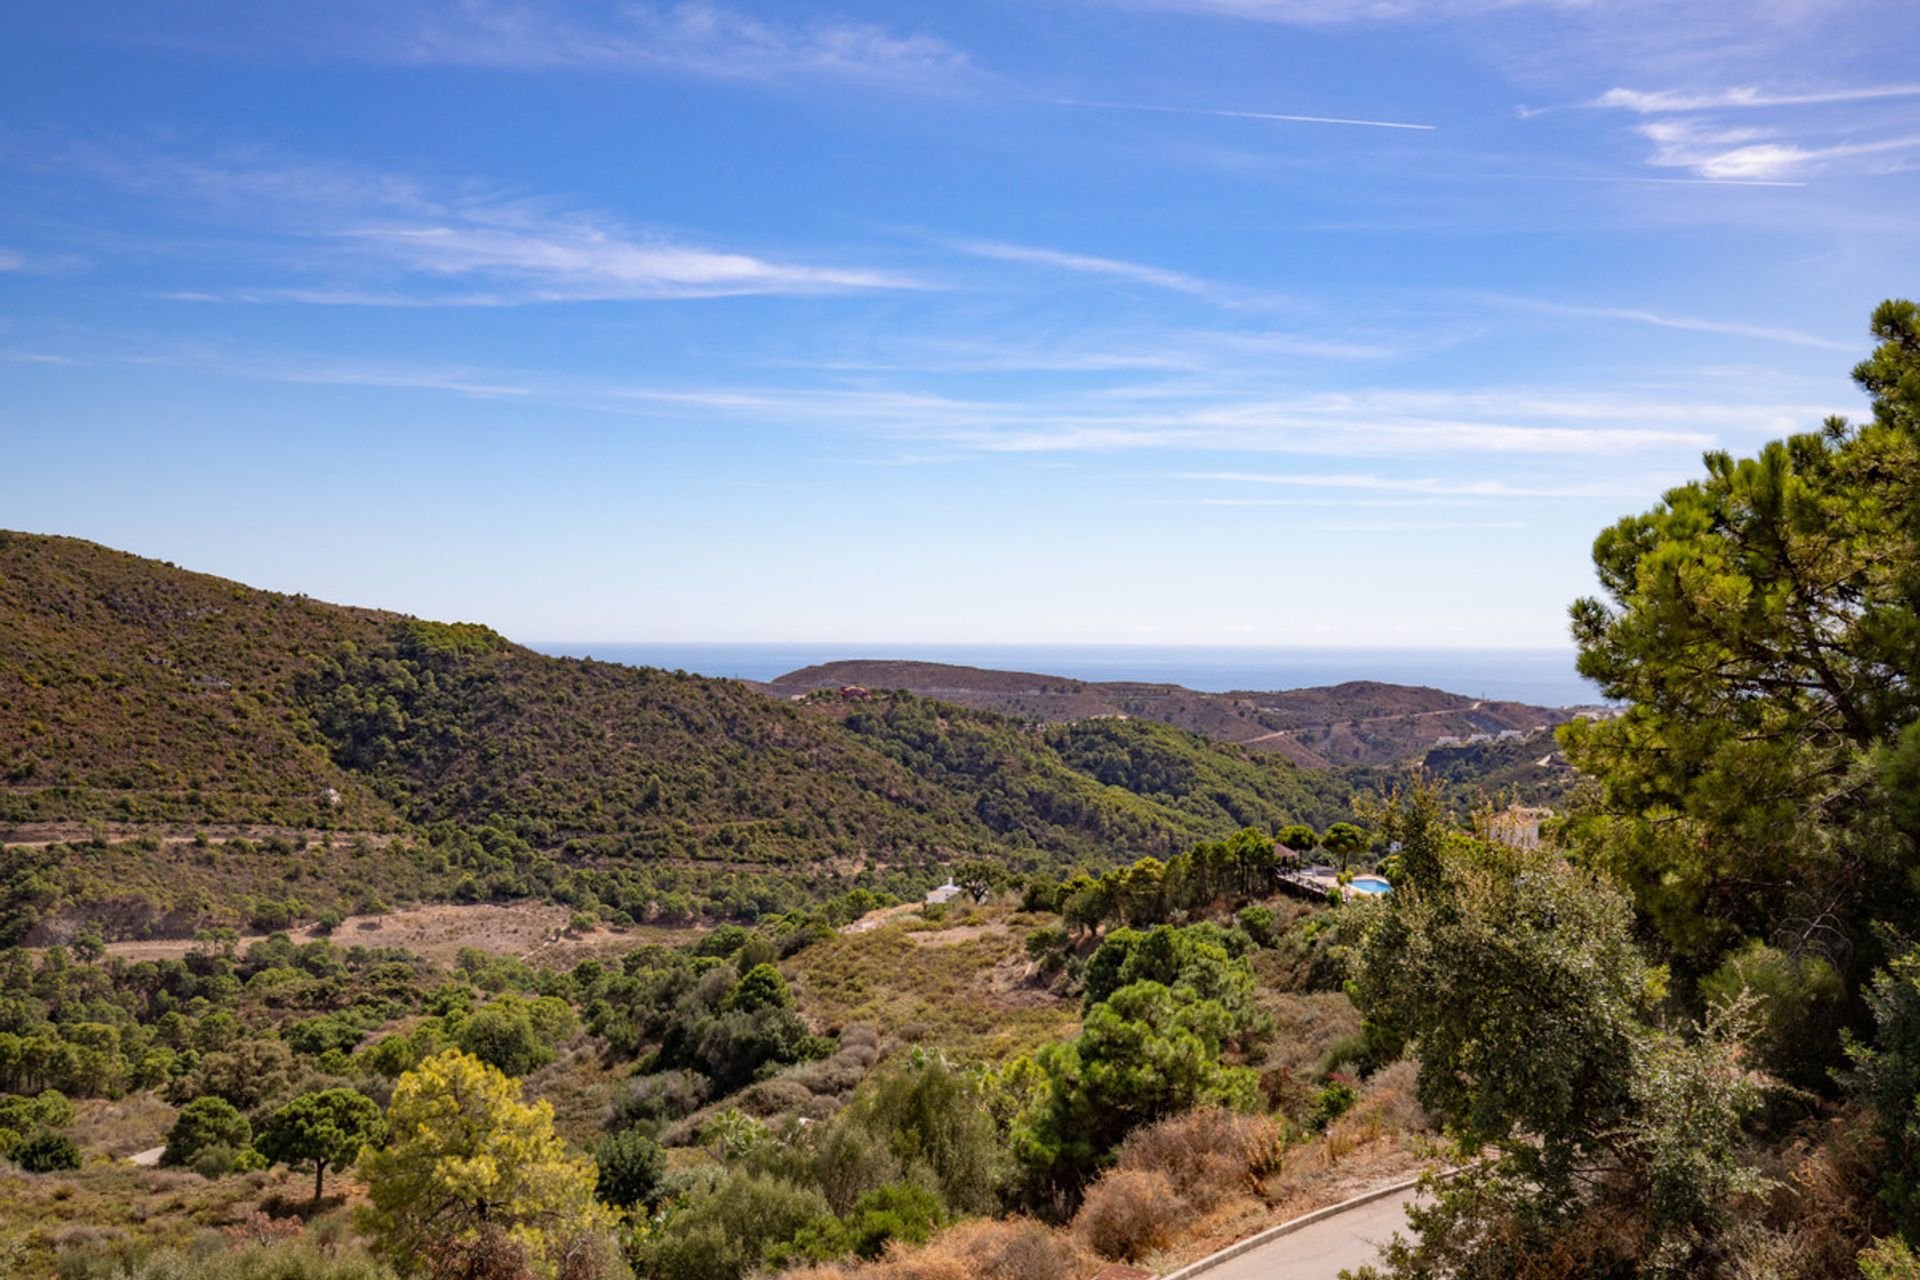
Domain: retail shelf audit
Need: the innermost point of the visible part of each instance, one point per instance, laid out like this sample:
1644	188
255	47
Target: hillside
1356	723
142	696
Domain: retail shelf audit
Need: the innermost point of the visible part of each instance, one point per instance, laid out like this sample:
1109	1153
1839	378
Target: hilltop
1361	722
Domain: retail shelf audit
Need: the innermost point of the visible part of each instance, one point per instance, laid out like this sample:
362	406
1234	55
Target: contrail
1242	115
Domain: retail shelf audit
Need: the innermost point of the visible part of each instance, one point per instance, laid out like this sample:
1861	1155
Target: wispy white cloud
579	258
1137	273
693	38
1224	114
1750	153
1214	291
1339	12
1692	324
1371	424
1425	485
379	239
12	260
1657	101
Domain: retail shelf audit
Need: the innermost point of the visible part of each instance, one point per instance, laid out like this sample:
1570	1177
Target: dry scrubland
960	982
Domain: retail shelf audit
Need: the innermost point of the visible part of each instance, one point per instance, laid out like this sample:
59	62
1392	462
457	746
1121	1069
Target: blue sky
1181	321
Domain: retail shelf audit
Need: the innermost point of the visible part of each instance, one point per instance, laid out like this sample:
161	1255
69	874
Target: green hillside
139	696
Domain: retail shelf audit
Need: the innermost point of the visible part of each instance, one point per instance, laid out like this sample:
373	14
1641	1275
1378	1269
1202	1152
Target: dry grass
1306	1025
968	995
1130	1213
980	1249
106	1204
533	931
1212	1156
120	1126
1186	1174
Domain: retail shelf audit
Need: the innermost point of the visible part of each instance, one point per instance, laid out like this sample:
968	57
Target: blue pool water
1371	884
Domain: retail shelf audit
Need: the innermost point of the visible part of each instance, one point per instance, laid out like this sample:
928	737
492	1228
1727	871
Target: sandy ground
531	931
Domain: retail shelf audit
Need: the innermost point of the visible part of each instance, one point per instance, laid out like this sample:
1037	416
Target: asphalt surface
1321	1251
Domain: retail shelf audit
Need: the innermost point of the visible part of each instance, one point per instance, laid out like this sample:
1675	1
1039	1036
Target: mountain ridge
1357	722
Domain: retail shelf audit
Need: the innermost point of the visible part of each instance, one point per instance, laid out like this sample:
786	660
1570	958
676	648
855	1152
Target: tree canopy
1762	626
324	1129
469	1158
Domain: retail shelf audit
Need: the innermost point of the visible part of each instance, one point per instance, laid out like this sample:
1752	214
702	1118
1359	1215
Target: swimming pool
1372	884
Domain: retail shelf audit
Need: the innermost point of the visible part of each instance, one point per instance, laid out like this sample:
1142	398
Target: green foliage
327	1129
631	1166
1518	980
1334	1099
20	1116
1761	626
202	1123
47	1152
503	1036
761	987
1297	836
1171	1004
897	1211
1194	962
978	878
1889	1259
1790	1005
469	1158
725	1231
924	1122
1344	841
1886	1075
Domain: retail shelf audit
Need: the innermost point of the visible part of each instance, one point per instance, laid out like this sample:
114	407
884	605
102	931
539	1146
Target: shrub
631	1165
664	1095
203	1123
47	1152
1129	1213
215	1160
724	1232
1210	1155
503	1036
1334	1100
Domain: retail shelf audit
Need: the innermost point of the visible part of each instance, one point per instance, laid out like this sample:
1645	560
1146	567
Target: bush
1210	1155
203	1123
1129	1213
1333	1101
504	1037
214	1161
724	1232
47	1152
631	1165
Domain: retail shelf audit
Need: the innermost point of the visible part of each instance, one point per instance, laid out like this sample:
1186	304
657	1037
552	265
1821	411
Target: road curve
1321	1250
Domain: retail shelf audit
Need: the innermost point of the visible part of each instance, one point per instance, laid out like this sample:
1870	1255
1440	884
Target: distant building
945	893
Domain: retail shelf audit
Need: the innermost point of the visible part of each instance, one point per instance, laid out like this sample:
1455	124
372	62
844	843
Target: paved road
1320	1251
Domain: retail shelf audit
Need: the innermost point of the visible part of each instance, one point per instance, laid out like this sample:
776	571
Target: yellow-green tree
470	1163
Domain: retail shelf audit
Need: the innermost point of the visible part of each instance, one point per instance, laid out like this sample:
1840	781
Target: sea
1544	677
